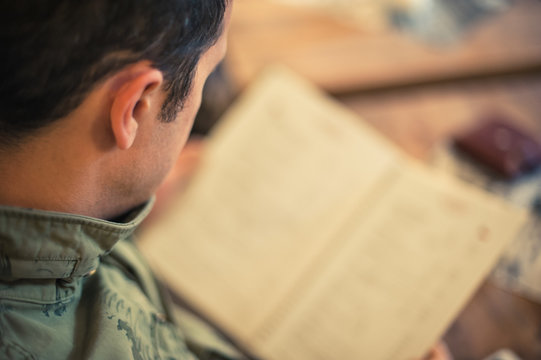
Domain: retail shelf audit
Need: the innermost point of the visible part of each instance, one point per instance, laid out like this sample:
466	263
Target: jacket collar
37	244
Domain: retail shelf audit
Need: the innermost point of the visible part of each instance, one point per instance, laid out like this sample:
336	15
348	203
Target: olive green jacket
74	287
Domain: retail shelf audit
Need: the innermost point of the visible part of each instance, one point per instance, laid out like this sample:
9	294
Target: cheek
185	119
174	135
192	105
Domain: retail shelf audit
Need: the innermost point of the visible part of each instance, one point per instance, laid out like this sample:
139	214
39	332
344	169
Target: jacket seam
4	344
37	301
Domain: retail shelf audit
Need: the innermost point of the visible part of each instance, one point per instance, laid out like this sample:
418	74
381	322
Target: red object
502	147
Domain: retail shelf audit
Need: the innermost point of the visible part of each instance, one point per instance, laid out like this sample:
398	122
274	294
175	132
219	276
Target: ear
131	103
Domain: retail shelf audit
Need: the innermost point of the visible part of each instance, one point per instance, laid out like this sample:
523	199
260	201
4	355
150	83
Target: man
97	100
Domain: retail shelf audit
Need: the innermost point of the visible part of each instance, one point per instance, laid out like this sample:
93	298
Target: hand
439	352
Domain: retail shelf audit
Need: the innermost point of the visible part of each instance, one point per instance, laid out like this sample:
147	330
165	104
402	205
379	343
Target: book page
281	174
403	272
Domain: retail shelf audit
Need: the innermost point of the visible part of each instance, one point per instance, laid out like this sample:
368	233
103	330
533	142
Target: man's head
98	97
55	51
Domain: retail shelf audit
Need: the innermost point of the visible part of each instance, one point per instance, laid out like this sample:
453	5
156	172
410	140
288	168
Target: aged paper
401	272
306	235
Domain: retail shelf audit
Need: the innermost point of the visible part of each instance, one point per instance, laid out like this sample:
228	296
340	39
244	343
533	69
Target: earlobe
131	103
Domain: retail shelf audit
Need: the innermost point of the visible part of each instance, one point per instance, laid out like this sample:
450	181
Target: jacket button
161	317
90	273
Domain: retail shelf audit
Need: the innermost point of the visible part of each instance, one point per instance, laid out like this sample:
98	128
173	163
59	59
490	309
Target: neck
41	174
36	177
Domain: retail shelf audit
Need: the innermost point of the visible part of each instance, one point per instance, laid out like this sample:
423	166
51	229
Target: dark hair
53	52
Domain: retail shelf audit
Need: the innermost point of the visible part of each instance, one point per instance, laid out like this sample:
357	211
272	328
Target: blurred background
433	76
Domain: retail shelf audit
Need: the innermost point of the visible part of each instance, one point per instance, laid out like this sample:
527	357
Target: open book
306	235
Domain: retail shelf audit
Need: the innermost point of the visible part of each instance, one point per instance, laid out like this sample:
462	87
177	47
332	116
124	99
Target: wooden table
342	58
422	117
